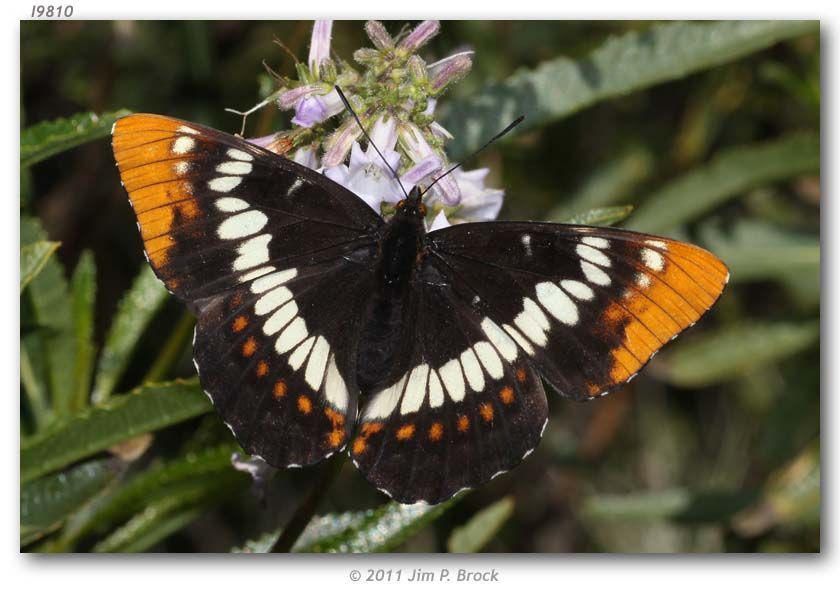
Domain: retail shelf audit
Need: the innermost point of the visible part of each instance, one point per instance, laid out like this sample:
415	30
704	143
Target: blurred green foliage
709	130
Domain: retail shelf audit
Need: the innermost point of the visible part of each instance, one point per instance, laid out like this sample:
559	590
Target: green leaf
731	352
481	528
379	529
160	517
158	481
153	525
33	258
46	502
601	216
51	346
137	308
148	408
623	64
677	504
732	172
790	498
51	137
756	250
83	289
608	185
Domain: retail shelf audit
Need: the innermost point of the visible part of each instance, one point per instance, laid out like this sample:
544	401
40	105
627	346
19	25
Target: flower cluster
394	94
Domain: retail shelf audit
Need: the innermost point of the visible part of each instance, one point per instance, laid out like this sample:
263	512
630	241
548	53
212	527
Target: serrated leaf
601	216
51	137
148	408
33	258
83	291
136	310
52	342
731	172
481	528
622	64
46	502
729	353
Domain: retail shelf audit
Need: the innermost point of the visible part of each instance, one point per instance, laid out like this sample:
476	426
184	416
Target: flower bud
449	70
420	35
379	35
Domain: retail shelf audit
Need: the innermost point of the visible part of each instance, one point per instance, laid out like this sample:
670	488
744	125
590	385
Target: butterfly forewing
589	306
213	209
275	259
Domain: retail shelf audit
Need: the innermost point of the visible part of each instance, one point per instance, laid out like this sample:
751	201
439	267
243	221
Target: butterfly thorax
401	244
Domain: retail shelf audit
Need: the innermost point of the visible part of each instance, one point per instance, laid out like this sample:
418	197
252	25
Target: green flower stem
304	513
172	349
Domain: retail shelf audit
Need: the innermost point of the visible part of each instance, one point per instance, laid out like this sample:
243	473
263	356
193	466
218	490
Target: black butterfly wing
588	305
461	405
497	303
275	260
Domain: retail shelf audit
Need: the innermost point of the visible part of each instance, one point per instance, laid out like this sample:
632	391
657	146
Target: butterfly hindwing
278	360
461	405
589	306
275	260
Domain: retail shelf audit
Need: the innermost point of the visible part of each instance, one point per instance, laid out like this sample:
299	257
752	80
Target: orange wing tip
153	156
677	285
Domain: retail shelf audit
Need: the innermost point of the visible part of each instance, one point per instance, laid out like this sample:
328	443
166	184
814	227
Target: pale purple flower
319	47
291	98
340	142
307	157
478	202
420	35
440	221
450	70
367	177
315	109
379	35
425	168
418	149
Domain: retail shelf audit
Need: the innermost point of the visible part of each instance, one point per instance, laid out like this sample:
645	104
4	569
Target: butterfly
321	327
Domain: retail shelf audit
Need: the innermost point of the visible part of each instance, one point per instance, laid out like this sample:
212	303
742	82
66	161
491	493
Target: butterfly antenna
367	137
504	131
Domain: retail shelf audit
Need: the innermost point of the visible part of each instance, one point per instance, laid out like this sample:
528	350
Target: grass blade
33	258
623	64
730	173
52	137
137	308
148	408
481	528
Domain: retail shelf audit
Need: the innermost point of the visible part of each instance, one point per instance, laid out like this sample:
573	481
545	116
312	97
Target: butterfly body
322	327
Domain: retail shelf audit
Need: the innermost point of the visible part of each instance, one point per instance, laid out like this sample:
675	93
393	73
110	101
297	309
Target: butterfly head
413	205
